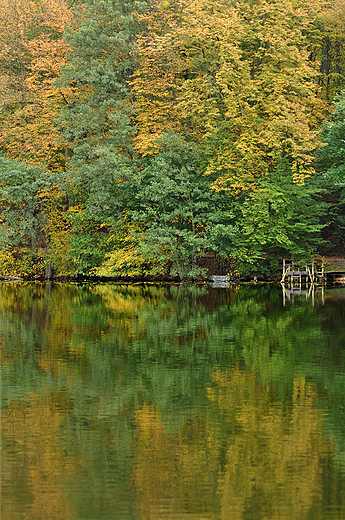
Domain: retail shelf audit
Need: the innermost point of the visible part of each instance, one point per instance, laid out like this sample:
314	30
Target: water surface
166	402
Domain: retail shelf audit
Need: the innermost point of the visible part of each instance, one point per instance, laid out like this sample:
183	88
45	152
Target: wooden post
313	269
284	271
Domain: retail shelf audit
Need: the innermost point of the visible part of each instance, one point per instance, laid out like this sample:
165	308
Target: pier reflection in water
311	292
159	402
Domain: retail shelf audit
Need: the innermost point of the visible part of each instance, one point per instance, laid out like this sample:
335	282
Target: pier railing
313	273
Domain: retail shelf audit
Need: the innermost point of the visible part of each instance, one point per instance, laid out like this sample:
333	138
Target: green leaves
279	219
175	123
333	154
331	164
19	202
175	204
95	81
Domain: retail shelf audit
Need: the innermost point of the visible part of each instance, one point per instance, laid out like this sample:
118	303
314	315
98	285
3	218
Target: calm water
159	402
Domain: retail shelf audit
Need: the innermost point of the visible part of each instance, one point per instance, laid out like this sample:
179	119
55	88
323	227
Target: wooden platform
310	273
319	271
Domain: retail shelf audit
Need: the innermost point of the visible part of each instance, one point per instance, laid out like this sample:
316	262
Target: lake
156	402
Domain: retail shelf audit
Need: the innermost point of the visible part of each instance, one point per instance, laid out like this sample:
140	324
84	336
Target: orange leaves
33	51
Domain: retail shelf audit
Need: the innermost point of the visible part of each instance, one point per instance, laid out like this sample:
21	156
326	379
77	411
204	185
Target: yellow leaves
57	227
51	192
32	34
238	79
22	262
128	261
301	170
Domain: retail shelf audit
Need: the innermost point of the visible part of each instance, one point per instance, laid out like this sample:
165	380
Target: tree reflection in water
156	402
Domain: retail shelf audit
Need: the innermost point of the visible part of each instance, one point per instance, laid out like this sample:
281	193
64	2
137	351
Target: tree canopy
175	129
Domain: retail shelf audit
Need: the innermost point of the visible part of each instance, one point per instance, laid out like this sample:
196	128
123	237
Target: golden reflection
226	448
249	456
175	472
32	462
274	456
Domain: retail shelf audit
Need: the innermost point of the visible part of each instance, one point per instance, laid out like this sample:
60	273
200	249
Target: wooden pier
313	273
318	272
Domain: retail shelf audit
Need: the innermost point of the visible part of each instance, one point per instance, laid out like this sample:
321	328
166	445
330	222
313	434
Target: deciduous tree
176	206
246	87
31	55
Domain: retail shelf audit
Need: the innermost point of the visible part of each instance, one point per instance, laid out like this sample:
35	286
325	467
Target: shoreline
135	279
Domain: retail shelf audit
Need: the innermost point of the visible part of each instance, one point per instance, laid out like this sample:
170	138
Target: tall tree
331	164
97	118
246	87
176	207
279	219
32	52
327	43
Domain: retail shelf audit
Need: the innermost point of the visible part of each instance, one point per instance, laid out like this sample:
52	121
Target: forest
138	138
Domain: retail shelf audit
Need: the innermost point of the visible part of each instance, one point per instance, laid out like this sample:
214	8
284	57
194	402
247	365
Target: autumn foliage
90	92
32	52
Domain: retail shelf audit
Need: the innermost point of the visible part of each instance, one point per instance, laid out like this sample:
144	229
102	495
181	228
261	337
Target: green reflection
145	402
